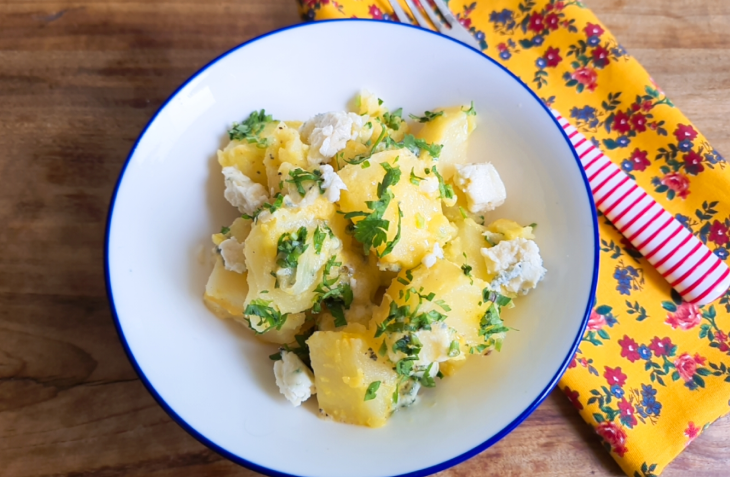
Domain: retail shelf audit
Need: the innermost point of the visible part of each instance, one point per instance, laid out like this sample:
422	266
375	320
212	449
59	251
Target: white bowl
212	377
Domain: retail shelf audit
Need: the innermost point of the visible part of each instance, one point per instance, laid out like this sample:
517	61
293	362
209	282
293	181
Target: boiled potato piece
453	295
423	223
344	369
451	130
465	249
247	158
225	291
285	145
510	230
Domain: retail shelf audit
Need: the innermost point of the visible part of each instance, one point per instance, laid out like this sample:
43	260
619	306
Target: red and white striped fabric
691	268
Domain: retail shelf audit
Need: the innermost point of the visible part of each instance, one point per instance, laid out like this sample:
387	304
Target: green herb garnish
446	191
393	120
427	116
372	390
471	111
300	176
250	129
267	314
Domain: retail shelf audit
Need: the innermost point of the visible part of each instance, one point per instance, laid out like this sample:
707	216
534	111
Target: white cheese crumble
430	259
516	266
232	253
332	183
328	133
482	186
429	185
294	378
242	192
435	344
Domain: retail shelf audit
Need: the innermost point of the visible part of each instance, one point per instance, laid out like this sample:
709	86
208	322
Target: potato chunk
454	295
423	222
451	130
345	365
465	249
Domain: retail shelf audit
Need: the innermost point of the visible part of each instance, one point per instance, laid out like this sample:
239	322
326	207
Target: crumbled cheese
408	393
482	186
242	192
430	259
516	266
435	345
295	200
429	185
294	378
332	183
232	253
328	133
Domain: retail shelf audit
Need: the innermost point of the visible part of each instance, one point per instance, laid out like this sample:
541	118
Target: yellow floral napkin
651	372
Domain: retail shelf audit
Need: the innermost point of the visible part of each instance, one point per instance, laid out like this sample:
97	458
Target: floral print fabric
651	371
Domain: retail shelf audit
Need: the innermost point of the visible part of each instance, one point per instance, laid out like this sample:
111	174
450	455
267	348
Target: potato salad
364	250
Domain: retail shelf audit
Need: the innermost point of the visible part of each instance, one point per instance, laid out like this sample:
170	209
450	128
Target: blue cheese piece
429	260
331	183
243	193
294	378
482	186
328	133
516	266
232	252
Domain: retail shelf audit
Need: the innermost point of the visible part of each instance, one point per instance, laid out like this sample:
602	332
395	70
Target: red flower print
600	56
537	22
573	396
685	132
552	57
686	367
640	159
629	348
677	182
375	12
685	318
466	22
573	363
621	122
614	435
721	339
638	120
559	5
596	321
627	412
693	163
594	30
646	106
614	376
502	47
587	77
552	21
661	347
691	432
718	233
699	359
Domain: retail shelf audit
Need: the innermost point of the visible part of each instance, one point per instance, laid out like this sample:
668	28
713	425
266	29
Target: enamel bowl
213	377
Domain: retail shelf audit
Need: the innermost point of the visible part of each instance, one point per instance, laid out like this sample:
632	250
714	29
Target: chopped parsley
533	225
471	111
409	345
225	230
321	233
290	247
404	367
372	390
250	129
446	191
491	325
466	268
269	316
302	350
372	229
335	294
454	349
427	116
426	380
415	180
414	145
300	176
383	349
393	120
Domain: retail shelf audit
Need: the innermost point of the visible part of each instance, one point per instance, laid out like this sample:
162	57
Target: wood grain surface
78	81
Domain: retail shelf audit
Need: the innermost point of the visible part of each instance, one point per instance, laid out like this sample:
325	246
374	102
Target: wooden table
78	81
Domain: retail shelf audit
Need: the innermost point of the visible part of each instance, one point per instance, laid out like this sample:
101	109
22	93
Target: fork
451	27
691	268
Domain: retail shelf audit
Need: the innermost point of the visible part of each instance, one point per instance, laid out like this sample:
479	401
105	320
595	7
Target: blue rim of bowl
416	473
